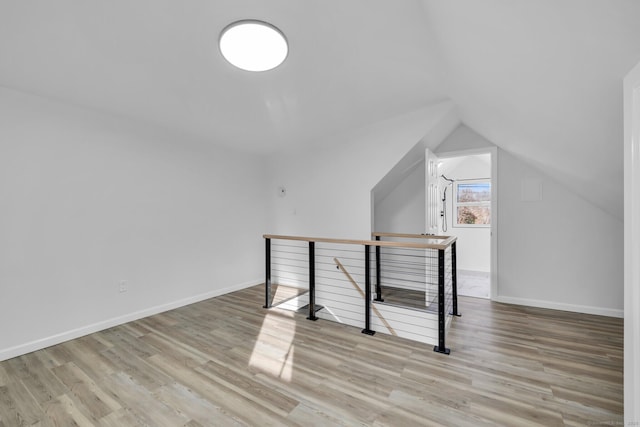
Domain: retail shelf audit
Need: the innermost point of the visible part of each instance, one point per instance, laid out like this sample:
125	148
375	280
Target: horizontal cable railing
441	277
337	275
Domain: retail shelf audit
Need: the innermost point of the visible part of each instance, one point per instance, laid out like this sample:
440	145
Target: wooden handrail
355	285
409	236
444	244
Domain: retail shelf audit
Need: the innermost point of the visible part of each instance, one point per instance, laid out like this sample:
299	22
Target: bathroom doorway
467	209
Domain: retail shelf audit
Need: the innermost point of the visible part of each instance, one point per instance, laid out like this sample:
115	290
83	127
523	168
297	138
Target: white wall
474	243
403	210
87	200
559	252
632	246
329	189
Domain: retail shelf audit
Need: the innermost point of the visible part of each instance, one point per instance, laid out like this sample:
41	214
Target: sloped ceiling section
543	80
447	123
351	63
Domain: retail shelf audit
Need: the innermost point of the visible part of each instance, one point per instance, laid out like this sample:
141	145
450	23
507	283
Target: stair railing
444	288
402	241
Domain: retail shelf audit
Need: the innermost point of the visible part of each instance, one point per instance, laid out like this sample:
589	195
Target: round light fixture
253	45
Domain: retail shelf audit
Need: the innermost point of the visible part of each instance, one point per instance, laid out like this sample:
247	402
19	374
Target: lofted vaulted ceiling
541	79
350	63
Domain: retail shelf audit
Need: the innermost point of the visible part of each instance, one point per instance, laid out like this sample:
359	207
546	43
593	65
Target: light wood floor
228	361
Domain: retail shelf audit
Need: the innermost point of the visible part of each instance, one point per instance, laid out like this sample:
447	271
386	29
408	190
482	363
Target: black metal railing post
312	281
378	274
267	273
454	281
367	292
440	348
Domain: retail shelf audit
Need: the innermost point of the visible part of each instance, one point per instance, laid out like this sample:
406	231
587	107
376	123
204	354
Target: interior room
143	161
468	218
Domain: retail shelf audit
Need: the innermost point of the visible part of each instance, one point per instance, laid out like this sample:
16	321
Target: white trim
632	246
39	344
585	309
493	152
464	153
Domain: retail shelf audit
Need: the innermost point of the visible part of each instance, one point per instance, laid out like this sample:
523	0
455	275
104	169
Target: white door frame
632	246
431	192
493	152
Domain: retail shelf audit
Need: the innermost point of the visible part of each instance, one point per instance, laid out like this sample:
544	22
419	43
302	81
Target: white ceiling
350	63
540	78
543	80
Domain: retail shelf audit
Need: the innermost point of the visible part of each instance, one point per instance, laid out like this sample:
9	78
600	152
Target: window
472	203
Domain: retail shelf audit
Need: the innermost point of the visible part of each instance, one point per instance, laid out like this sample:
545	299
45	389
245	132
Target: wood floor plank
248	386
41	383
302	413
432	410
199	409
4	378
17	406
85	392
141	403
86	356
137	368
229	403
68	413
227	361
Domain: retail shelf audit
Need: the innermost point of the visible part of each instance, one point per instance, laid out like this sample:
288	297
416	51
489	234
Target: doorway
467	209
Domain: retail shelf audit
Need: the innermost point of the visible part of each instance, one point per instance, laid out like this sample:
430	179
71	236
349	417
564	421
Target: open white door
431	210
431	188
632	247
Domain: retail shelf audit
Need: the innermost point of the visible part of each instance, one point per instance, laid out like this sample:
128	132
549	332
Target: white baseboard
39	344
586	309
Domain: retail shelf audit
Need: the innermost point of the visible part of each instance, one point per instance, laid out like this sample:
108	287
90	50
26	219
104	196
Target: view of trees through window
473	203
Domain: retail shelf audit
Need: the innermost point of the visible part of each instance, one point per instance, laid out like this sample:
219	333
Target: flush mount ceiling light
253	45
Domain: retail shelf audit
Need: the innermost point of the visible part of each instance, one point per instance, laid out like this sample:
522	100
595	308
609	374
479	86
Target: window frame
456	204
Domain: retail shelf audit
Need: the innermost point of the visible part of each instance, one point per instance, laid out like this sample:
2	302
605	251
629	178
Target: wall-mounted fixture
253	45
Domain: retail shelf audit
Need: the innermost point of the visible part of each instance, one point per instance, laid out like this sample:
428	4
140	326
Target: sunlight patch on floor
273	352
332	315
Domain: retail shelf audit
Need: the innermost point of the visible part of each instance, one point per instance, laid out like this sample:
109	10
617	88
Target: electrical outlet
122	286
